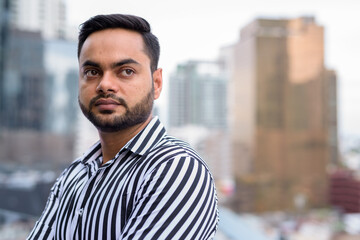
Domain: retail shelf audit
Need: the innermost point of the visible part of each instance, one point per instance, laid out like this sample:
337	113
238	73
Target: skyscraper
45	16
23	80
33	48
197	95
38	86
61	86
282	114
4	25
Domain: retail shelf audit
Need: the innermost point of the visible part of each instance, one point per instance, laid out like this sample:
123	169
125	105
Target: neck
112	142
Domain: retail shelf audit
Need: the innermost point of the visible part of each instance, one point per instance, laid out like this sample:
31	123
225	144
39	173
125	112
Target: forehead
113	43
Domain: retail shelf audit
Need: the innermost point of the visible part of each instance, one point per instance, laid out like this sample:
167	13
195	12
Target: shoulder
171	150
175	144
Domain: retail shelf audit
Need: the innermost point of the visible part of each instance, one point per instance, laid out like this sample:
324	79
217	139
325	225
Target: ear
157	78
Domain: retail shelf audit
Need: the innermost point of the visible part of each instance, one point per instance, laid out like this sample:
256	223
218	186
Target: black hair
130	22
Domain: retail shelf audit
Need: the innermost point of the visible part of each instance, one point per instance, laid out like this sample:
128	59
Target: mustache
120	100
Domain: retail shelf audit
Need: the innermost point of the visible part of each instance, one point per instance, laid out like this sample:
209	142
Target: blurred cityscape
263	115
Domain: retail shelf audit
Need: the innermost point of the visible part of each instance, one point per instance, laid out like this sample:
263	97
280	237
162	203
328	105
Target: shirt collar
142	143
147	138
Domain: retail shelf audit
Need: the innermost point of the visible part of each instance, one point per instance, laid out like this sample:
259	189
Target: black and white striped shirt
156	187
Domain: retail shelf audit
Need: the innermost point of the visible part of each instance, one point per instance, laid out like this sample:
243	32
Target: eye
91	73
127	72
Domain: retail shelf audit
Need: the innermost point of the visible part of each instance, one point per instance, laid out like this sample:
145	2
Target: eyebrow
114	65
90	63
123	62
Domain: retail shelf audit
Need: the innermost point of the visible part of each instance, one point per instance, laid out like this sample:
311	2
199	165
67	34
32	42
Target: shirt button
80	212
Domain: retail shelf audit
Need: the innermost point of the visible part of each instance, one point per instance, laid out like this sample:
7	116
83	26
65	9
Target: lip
106	102
106	105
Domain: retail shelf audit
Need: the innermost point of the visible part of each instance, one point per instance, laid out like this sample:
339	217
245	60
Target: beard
132	116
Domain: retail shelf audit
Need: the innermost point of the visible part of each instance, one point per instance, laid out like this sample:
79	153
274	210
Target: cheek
142	91
85	93
136	91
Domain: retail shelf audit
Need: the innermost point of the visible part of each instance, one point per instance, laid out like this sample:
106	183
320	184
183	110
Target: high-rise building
282	114
25	27
61	86
4	23
33	47
38	86
23	81
45	16
197	95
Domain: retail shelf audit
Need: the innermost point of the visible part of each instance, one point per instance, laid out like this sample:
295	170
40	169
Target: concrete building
282	114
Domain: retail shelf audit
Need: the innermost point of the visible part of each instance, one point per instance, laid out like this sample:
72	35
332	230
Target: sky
197	29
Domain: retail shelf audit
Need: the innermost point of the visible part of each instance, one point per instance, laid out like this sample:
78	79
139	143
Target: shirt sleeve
43	228
177	200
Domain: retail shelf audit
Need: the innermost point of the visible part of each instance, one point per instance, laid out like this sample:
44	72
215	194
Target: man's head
118	74
129	22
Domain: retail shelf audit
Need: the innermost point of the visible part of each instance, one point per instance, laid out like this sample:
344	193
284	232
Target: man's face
116	86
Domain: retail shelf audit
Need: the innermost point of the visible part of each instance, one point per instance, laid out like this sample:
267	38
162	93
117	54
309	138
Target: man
136	182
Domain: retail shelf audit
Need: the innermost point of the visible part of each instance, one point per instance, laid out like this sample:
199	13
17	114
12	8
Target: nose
108	83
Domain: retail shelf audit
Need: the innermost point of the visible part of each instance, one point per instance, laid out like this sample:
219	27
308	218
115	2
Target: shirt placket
76	227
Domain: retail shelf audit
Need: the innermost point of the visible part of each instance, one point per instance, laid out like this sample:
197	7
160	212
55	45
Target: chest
96	204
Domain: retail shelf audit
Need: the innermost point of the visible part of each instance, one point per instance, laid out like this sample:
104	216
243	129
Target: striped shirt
156	187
